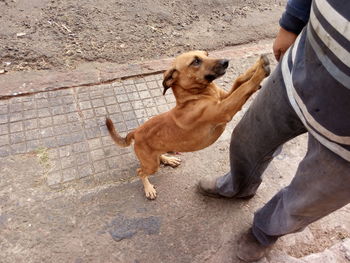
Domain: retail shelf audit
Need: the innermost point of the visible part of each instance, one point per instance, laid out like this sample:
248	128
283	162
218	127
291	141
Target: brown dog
199	117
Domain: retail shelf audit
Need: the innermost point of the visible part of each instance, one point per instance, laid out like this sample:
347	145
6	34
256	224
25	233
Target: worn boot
207	186
249	248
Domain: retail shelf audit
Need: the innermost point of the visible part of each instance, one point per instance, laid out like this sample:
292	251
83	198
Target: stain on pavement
122	227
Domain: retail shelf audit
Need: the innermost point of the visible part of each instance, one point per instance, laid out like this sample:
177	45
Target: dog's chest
200	138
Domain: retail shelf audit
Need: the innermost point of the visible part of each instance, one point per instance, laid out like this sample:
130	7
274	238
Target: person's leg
269	122
321	185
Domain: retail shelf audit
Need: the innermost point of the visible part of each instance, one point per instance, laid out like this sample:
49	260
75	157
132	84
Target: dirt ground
52	34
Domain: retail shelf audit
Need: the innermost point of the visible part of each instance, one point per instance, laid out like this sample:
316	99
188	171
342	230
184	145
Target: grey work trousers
322	181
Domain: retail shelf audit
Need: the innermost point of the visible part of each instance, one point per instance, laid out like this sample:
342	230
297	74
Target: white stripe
340	23
295	47
330	42
288	83
316	125
333	70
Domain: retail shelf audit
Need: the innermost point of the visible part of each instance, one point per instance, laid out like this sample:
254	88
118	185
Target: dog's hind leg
170	160
149	165
149	189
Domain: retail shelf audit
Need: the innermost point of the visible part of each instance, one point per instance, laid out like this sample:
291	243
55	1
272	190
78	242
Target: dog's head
194	70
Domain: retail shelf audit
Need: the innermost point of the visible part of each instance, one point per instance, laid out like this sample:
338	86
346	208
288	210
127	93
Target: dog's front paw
267	70
265	60
150	192
265	64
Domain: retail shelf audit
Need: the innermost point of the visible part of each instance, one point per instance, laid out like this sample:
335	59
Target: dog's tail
124	142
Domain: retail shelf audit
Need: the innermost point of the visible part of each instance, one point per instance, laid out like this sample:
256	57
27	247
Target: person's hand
283	41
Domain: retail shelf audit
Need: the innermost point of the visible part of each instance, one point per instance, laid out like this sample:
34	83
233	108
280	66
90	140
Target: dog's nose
224	63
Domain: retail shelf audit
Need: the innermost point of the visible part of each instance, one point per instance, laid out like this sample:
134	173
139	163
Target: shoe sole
205	193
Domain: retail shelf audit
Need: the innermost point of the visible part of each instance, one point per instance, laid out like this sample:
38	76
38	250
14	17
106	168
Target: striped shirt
316	73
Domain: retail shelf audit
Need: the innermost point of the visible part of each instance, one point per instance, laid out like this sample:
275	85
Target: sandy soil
52	34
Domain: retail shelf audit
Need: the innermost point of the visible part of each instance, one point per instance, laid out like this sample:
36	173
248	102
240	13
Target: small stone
21	34
53	178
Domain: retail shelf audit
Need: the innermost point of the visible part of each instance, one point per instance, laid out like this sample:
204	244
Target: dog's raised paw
265	59
267	70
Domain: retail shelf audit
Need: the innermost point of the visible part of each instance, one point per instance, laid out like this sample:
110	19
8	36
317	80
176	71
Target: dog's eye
196	62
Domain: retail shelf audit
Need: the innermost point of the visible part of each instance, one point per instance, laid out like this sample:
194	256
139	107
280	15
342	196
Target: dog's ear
169	79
